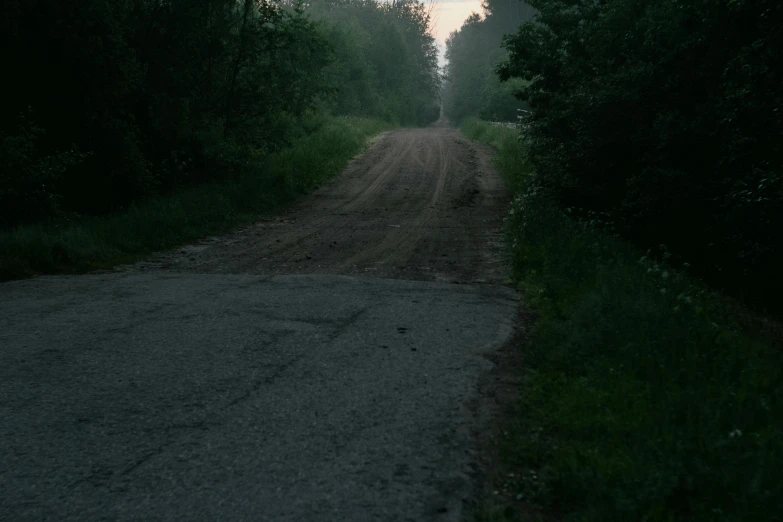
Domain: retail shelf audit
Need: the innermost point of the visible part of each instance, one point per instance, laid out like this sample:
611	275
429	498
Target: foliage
28	180
642	399
266	182
472	88
387	62
664	116
130	99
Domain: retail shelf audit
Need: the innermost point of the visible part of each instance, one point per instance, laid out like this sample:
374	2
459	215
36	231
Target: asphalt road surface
270	375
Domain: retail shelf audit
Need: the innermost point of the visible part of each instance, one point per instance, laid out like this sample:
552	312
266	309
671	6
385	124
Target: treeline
385	61
110	102
473	52
663	120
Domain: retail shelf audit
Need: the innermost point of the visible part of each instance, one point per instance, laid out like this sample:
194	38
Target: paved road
199	394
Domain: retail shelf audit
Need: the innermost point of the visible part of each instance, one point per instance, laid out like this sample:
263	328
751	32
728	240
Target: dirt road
421	204
247	378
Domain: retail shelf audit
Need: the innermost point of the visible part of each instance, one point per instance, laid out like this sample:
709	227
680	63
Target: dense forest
651	153
473	52
661	119
110	102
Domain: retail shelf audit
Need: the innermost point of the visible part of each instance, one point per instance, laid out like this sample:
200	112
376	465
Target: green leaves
473	52
658	112
168	94
643	397
385	59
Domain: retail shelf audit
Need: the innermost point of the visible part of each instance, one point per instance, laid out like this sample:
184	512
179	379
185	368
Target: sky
448	16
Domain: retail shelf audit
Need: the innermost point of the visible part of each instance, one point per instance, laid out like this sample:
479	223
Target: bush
165	95
263	183
664	116
643	399
29	179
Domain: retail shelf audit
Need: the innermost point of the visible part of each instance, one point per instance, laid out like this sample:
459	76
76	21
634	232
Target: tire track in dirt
422	204
400	245
387	168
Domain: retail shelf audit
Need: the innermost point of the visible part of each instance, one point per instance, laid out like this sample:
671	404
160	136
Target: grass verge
165	222
643	400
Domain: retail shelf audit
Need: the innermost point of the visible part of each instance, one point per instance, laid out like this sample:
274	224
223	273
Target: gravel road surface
271	374
421	204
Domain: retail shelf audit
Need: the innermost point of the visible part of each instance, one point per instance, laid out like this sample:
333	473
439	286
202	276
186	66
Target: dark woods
664	119
472	87
110	102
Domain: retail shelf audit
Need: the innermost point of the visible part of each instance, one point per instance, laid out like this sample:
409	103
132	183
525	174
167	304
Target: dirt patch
420	204
495	412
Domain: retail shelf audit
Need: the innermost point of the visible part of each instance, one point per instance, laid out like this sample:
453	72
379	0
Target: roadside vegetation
266	182
644	232
646	396
135	125
471	87
665	119
661	117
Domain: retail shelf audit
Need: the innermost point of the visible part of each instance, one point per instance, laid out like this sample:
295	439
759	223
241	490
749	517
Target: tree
665	115
110	102
472	53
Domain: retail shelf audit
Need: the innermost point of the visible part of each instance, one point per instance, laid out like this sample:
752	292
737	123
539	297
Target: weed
165	222
643	399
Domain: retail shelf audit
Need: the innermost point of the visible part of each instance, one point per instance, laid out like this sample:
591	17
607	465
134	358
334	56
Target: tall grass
642	398
169	221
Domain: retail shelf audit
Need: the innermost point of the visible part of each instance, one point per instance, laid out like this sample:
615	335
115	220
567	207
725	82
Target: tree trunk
237	65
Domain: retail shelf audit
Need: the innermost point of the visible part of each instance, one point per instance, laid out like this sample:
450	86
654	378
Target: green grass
166	222
643	397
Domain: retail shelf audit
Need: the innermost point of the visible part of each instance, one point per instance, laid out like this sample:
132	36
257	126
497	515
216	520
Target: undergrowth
643	397
269	182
